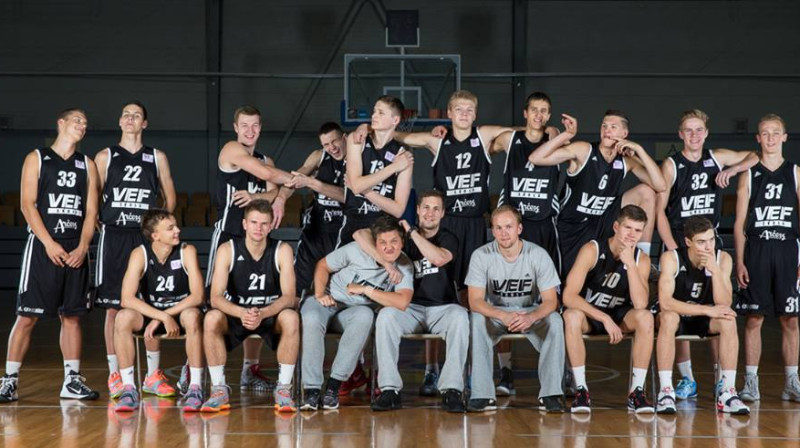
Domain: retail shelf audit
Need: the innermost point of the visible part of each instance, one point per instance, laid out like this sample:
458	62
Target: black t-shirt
356	206
529	188
228	183
694	191
62	193
254	283
592	190
772	208
606	286
163	285
692	285
433	285
131	187
461	172
325	214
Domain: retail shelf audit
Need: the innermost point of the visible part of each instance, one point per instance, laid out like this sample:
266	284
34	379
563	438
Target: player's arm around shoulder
419	140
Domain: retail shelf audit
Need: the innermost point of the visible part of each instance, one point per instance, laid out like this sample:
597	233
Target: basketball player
131	178
461	166
607	292
162	292
695	179
766	239
512	289
252	292
434	307
694	298
58	198
243	175
348	286
594	182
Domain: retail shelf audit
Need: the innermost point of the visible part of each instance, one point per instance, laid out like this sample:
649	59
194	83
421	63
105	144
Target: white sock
72	365
728	379
504	359
432	367
751	370
12	368
644	247
247	363
196	376
217	374
685	369
153	361
665	379
790	370
127	377
637	378
113	365
580	377
285	373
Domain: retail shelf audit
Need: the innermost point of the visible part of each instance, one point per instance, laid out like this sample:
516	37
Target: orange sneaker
156	384
115	387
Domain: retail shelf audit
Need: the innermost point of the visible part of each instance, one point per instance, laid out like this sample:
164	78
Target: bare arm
396	299
101	161
397	206
130	288
742	199
490	133
558	150
196	286
721	279
666	289
29	188
419	140
165	180
78	255
478	304
643	166
576	279
638	287
438	256
233	153
662	199
322	274
288	298
735	162
360	183
303	178
500	144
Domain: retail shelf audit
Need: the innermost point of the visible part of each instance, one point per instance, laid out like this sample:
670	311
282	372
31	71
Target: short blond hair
772	117
693	113
462	95
506	209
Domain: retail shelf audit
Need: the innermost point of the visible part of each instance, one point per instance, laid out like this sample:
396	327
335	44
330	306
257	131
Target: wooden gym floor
40	418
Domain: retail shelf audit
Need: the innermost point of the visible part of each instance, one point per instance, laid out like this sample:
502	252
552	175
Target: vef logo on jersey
773	215
463	184
527	188
460	204
64	204
513	287
424	267
127	197
124	218
772	235
702	204
594	205
603	300
259	301
63	225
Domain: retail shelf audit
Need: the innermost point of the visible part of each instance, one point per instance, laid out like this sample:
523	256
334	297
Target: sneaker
551	404
637	402
128	400
331	398
481	404
310	400
253	379
357	379
666	401
792	389
686	388
8	388
506	385
582	402
219	399
750	389
729	403
193	398
156	384
388	400
429	384
75	387
283	398
184	380
115	385
453	401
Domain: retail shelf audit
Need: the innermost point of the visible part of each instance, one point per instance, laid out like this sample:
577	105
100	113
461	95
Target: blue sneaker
686	389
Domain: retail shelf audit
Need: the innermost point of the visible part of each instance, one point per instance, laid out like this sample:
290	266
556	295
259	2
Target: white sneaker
729	403
792	389
750	389
666	401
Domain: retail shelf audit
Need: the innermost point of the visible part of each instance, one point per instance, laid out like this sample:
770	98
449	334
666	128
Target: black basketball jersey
434	285
694	191
772	208
528	188
253	283
461	171
372	160
325	214
62	192
591	190
692	285
606	285
228	183
131	187
163	285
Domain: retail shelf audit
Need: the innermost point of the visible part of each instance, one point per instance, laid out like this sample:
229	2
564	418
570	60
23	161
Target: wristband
411	229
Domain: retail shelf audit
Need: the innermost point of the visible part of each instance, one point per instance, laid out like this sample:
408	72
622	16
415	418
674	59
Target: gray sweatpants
355	323
546	336
451	321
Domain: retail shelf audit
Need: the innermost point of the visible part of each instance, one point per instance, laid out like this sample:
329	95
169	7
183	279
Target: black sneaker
453	401
310	400
551	404
481	404
506	385
388	400
637	402
582	402
428	388
568	383
75	388
8	388
331	398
